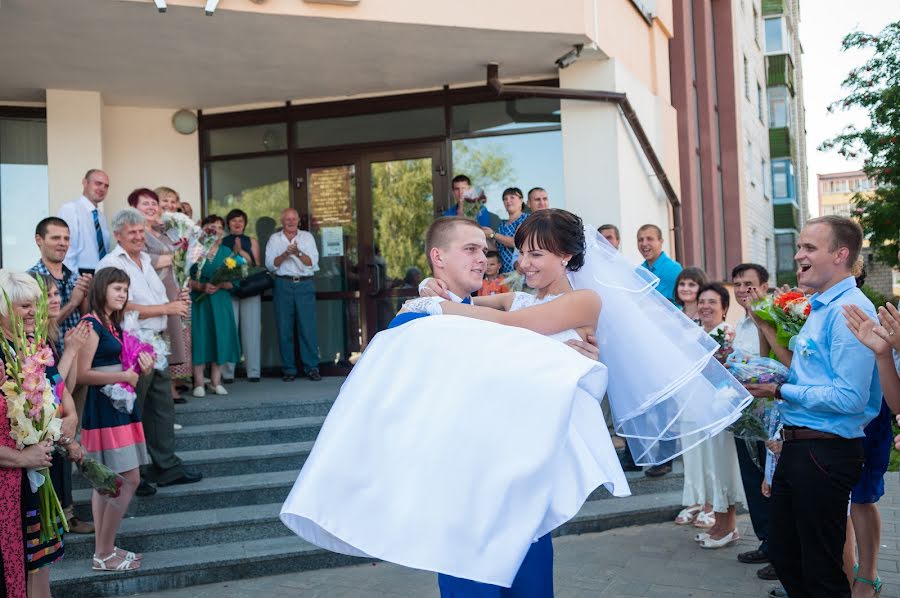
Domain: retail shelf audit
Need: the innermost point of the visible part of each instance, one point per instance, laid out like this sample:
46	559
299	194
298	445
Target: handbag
253	285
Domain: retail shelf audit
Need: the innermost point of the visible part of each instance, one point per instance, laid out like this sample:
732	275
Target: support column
74	141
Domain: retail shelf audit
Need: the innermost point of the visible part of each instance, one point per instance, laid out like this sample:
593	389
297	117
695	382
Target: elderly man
87	226
538	199
52	238
292	255
147	296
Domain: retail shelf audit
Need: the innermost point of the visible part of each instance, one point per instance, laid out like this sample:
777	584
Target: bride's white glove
423	305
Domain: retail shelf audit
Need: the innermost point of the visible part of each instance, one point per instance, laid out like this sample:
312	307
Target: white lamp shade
184	121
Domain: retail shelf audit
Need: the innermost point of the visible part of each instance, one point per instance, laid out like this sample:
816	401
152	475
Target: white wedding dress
432	459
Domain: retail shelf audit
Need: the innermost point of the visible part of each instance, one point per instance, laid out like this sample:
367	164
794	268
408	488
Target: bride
431	460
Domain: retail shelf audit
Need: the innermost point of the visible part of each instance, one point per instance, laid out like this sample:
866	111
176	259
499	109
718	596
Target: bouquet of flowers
787	312
473	200
233	269
752	425
191	244
104	480
31	406
134	342
724	335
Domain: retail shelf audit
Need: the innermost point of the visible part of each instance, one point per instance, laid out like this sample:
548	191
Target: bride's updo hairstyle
554	230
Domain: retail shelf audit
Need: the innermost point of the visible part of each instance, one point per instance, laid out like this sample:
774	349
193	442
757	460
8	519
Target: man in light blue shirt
831	394
650	242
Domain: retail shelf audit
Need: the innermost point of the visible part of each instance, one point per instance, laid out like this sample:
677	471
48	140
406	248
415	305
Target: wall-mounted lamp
184	121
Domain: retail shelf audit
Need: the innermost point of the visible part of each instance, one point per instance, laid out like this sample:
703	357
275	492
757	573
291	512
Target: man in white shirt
291	254
88	231
147	296
749	281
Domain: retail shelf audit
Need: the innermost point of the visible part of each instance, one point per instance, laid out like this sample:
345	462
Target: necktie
101	246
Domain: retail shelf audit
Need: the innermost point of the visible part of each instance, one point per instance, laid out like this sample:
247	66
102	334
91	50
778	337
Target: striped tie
101	246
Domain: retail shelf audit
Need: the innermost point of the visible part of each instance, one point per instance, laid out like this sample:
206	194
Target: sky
823	24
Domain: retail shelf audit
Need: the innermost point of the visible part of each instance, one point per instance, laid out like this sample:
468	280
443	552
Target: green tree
483	162
875	87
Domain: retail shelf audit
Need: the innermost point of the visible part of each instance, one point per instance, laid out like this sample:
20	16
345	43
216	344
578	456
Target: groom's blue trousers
533	580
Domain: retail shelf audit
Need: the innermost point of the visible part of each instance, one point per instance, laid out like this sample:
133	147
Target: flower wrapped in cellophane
473	200
134	342
234	269
31	405
752	425
191	244
787	312
104	480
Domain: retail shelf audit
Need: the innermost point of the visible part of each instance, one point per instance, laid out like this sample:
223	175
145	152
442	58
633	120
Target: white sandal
125	564
705	520
131	556
710	542
687	515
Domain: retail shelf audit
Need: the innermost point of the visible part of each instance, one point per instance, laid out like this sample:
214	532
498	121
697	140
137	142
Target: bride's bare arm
501	301
573	310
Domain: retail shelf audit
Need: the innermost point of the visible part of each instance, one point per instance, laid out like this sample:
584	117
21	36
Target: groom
455	248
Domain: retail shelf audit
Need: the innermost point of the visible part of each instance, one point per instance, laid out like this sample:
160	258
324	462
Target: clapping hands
881	336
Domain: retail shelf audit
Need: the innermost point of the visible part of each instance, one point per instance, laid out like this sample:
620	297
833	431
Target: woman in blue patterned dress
506	232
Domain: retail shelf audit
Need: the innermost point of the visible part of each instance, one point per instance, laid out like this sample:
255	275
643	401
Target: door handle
376	276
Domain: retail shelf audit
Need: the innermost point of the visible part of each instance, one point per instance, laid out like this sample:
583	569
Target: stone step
196	412
193	565
239	460
268	487
247	433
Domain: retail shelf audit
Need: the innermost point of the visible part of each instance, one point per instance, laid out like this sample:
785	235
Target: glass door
402	186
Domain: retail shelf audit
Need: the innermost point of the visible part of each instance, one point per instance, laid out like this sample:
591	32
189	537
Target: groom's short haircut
441	232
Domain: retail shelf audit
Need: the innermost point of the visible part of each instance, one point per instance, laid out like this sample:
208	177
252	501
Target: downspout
630	116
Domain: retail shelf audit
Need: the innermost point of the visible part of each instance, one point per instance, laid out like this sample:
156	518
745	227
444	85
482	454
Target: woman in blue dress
506	232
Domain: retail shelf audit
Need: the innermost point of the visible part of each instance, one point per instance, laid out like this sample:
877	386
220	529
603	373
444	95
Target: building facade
357	113
719	90
787	129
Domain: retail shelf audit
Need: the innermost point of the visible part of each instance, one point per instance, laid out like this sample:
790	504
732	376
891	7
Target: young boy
493	282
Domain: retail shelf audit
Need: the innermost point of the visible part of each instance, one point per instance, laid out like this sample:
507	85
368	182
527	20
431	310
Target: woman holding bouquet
113	437
21	545
247	310
161	249
711	471
214	334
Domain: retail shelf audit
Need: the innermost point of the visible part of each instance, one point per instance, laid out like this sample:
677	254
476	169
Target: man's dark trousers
157	409
752	476
810	495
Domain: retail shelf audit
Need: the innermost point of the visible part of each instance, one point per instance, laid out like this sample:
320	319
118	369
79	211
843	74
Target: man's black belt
802	433
294	278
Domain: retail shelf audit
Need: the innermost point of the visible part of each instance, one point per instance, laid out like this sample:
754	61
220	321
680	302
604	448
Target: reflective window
775	42
785	248
506	115
782	174
525	161
245	140
368	128
24	190
259	186
779	113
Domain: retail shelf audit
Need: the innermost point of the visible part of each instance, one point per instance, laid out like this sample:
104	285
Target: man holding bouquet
831	394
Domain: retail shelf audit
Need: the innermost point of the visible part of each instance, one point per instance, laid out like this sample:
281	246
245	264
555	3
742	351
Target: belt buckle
296	278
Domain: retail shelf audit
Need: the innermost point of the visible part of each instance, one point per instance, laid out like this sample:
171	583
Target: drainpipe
628	113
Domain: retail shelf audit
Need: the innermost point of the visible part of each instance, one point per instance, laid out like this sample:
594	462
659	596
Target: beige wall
74	142
142	149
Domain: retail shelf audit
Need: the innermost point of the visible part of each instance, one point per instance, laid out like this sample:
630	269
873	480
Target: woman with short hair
247	310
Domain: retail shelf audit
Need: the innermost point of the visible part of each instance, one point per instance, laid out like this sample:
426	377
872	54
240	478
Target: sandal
705	520
127	554
710	542
687	515
124	564
875	584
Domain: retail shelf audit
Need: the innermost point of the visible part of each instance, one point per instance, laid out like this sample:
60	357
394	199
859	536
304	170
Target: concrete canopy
135	56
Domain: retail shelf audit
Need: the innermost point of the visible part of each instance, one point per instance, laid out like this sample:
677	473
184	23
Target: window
24	187
779	114
782	179
785	248
746	78
764	178
775	38
507	115
756	27
368	128
748	163
759	103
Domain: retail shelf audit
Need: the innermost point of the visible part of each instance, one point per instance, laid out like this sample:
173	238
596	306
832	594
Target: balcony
787	216
780	71
780	143
772	7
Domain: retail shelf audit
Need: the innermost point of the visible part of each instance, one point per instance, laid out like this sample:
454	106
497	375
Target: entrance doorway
368	210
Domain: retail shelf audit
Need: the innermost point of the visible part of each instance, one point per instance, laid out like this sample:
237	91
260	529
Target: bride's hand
588	347
432	287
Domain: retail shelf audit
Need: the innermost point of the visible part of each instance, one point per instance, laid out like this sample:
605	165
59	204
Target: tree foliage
875	88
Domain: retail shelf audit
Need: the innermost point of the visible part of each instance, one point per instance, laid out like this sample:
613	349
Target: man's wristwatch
778	391
493	235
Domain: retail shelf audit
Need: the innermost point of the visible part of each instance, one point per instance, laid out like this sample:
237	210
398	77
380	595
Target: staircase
250	446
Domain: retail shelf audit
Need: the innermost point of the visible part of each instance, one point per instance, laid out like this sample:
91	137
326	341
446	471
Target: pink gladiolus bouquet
123	394
31	406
